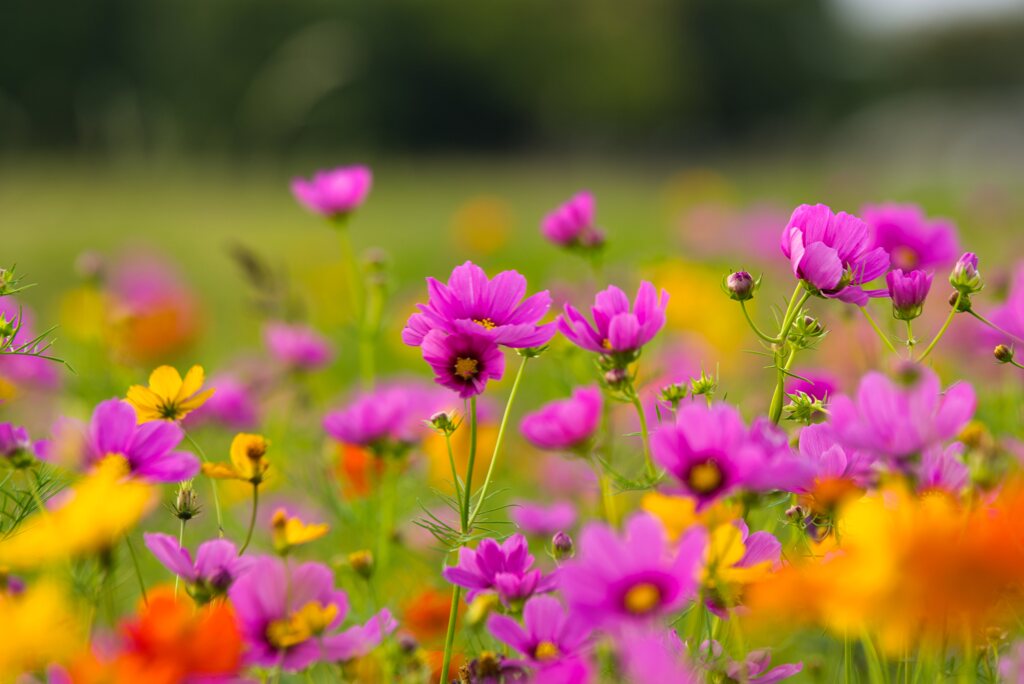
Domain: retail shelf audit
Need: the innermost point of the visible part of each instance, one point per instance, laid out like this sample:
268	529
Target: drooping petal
167	551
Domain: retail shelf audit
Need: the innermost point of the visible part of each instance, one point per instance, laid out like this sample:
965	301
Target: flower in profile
617	330
505	569
492	668
911	238
549	633
41	626
565	424
464	361
168	396
91	516
169	641
248	460
297	347
216	566
908	292
619	580
832	253
899	421
232	405
289	616
15	446
471	300
386	420
708	451
289	531
334	193
572	224
543	521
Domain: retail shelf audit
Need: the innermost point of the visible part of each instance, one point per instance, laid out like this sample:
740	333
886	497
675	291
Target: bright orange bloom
425	615
169	642
357	470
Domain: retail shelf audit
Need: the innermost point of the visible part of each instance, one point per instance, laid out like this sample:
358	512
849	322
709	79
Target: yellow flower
248	460
40	627
168	397
97	512
289	531
679	513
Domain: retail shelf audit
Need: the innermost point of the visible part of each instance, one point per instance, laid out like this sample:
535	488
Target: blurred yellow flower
92	515
83	313
288	532
679	513
248	460
168	396
40	627
482	224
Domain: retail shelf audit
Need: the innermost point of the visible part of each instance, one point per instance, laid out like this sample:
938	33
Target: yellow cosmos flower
169	397
40	627
248	460
679	513
94	514
288	532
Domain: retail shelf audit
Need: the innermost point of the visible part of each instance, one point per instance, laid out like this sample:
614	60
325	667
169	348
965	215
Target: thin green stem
138	570
1015	364
449	638
942	330
847	660
497	444
455	471
910	338
645	436
471	464
181	542
878	331
993	325
753	326
775	410
607	496
213	484
796	302
252	518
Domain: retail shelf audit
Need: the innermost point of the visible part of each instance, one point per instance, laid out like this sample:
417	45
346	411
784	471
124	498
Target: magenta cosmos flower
147	449
232	405
464	361
289	616
15	444
629	579
617	329
565	424
831	463
753	668
911	238
1010	314
708	451
816	384
298	347
943	471
543	521
506	569
217	564
901	420
908	292
548	633
495	305
572	224
655	656
334	193
387	419
832	253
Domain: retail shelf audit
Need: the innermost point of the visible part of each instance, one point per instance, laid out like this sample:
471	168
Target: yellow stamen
486	323
546	651
642	598
705	478
466	368
309	621
606	343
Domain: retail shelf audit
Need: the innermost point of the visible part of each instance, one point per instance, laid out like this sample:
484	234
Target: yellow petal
297	532
221	471
165	381
186	406
142	398
247	452
192	383
726	547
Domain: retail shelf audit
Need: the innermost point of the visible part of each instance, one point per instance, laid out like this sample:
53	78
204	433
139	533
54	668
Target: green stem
910	338
138	570
252	518
1014	363
878	331
467	492
847	660
775	410
181	542
387	511
942	330
993	325
368	334
213	484
753	326
796	302
351	268
645	436
497	445
607	497
455	471
449	638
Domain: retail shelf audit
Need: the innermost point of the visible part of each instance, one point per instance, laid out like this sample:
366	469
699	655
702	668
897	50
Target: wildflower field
504	423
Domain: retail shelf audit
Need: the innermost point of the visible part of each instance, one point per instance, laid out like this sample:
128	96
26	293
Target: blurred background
178	124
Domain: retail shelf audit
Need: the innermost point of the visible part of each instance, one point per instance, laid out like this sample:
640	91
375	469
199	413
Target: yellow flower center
705	477
309	621
606	343
642	598
904	257
486	323
466	368
546	651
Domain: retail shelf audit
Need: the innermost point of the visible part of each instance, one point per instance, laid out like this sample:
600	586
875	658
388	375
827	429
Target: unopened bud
960	301
965	278
6	327
1003	353
673	394
616	377
186	502
362	562
704	385
562	546
444	422
741	286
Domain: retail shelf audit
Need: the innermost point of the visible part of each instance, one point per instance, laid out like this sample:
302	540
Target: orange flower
357	470
425	615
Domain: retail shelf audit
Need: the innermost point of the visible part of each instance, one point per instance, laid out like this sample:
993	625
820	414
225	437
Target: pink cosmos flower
232	405
832	253
493	305
572	223
464	361
217	564
548	634
298	347
1010	314
899	421
656	656
753	668
617	580
543	521
830	461
565	424
506	569
616	329
912	239
908	292
941	470
335	192
390	417
14	442
289	616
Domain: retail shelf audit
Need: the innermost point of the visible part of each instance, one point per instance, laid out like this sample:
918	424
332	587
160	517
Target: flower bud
444	422
616	377
673	394
562	546
704	385
362	562
186	502
908	292
6	327
795	513
741	286
961	301
1003	353
966	278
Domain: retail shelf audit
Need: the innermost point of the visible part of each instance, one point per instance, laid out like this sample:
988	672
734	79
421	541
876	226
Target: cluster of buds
966	281
740	286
